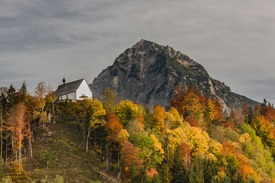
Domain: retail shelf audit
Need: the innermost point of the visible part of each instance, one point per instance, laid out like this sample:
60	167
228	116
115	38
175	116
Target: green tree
109	99
266	130
260	157
50	103
179	170
2	164
210	170
11	96
196	171
150	148
247	112
3	103
47	157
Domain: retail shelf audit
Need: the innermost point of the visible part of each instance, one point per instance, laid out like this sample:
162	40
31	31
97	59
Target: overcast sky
45	40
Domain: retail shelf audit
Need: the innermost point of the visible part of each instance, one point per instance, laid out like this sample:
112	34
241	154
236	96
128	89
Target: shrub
47	157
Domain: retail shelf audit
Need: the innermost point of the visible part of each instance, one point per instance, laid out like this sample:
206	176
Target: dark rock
147	74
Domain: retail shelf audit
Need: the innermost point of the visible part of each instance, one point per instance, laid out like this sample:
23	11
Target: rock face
147	74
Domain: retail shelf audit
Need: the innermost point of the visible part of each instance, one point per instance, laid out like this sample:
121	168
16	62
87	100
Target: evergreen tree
143	178
11	97
179	170
3	103
22	94
210	169
164	173
196	172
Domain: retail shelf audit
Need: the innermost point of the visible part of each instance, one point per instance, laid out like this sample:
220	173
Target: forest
192	141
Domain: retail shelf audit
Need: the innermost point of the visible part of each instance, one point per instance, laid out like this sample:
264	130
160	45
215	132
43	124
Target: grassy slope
71	162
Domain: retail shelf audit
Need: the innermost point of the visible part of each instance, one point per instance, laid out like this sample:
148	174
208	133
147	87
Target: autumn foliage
192	141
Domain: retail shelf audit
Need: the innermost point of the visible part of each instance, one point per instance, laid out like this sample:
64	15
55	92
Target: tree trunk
101	146
84	136
12	144
30	147
20	160
1	140
107	157
118	175
16	156
6	151
118	157
87	139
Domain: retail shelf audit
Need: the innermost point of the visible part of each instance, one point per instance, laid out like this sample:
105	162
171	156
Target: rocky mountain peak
148	46
148	72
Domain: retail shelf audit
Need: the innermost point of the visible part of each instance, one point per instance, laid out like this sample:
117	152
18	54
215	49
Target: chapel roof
68	87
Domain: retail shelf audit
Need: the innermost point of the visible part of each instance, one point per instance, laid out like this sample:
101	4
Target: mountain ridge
148	72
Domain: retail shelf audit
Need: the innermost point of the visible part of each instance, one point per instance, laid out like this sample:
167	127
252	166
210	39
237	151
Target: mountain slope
147	74
70	160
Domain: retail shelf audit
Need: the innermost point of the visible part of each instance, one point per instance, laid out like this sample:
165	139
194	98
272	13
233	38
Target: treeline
192	141
21	116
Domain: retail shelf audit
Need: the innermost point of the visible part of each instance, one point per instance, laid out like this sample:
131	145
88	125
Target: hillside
148	72
70	161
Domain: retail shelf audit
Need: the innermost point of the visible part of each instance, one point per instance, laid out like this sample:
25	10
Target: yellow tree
197	140
214	113
158	119
93	115
126	110
33	113
173	119
266	130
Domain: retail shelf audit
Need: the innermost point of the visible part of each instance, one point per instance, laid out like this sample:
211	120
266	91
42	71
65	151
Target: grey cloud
48	39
